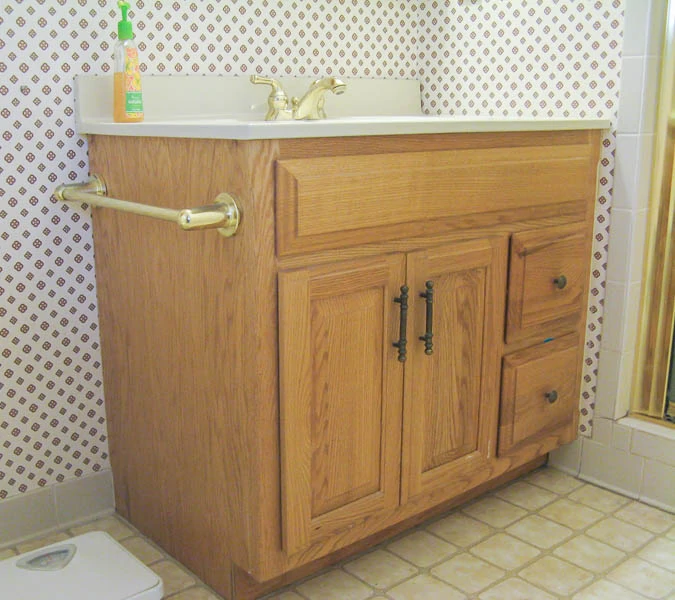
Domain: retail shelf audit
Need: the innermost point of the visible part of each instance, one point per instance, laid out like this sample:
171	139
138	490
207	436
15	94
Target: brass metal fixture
222	215
310	107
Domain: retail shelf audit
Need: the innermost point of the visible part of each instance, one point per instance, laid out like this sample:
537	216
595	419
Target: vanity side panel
188	323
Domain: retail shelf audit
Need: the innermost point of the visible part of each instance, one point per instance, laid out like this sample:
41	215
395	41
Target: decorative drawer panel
340	201
540	394
547	280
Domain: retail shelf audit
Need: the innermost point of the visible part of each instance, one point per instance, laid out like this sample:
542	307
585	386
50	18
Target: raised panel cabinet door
451	396
341	389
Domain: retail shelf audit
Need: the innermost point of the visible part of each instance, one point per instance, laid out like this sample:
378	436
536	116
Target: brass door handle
222	215
403	324
428	295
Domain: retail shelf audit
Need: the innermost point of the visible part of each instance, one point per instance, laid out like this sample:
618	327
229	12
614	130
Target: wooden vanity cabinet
261	423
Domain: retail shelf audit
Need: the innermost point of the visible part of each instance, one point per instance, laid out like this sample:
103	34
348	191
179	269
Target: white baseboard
59	506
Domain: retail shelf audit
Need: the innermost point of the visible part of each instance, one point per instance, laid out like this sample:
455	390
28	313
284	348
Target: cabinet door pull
427	337
402	341
560	282
551	396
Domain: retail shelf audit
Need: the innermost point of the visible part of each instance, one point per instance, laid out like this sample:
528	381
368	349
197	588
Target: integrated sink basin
229	107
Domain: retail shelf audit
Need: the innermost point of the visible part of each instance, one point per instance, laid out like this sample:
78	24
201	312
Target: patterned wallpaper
474	57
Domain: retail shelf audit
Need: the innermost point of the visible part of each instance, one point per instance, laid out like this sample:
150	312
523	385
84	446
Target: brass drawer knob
560	282
551	396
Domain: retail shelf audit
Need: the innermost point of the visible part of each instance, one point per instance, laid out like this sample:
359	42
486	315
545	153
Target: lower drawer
540	394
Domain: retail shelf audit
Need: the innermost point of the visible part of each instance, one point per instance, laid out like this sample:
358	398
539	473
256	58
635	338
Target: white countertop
233	108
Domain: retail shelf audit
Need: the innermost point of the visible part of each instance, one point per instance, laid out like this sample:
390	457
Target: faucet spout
311	105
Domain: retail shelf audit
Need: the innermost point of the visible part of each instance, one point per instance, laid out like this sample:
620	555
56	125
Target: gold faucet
309	107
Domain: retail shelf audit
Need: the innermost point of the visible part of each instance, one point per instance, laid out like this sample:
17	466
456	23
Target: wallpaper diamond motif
474	57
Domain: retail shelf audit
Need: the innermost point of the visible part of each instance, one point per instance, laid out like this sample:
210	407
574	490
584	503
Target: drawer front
340	201
547	280
540	394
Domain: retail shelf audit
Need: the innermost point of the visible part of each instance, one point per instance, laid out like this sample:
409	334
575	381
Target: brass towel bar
222	215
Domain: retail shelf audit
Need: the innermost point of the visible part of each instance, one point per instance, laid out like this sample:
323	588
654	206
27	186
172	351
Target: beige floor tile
335	585
460	530
201	593
425	587
620	534
43	541
113	526
526	495
285	595
494	512
468	573
571	514
556	576
380	569
606	590
175	578
660	552
539	531
142	550
505	551
644	578
553	480
7	553
515	589
647	517
422	549
671	534
598	498
589	554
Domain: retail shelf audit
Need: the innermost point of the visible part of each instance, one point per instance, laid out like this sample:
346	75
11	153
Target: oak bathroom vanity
397	326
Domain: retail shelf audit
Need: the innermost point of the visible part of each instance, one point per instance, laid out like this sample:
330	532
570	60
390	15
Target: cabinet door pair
363	433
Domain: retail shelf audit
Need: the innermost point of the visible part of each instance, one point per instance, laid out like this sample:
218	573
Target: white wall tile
630	99
619	253
657	27
615	469
625	171
650	94
613	318
621	437
608	383
636	14
631	316
602	431
637	244
658	485
644	170
653	446
568	457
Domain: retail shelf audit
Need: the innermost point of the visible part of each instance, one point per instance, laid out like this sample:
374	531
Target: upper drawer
547	280
339	201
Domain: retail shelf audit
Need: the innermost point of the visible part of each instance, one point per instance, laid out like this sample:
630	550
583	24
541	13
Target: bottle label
132	83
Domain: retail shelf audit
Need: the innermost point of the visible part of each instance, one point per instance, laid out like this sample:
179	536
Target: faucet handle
277	100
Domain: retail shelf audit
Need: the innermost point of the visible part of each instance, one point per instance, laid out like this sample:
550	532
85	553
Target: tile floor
545	536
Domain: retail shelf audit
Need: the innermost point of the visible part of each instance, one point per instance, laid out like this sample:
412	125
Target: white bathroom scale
92	565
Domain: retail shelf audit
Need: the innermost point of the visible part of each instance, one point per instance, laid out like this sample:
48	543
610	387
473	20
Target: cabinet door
452	395
341	389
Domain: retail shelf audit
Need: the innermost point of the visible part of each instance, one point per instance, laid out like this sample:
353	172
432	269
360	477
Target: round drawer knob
551	396
560	282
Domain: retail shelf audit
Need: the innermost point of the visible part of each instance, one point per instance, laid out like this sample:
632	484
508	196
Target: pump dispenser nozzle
124	31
